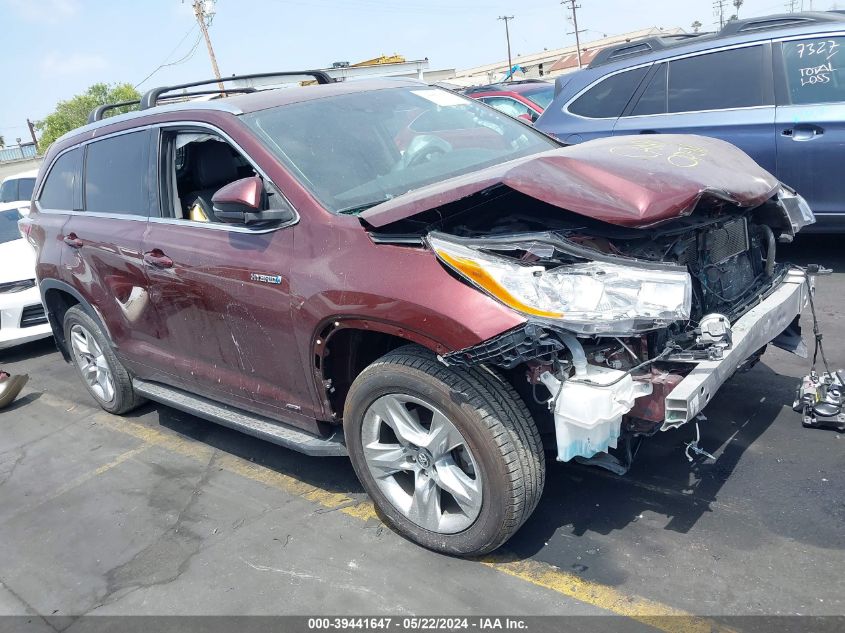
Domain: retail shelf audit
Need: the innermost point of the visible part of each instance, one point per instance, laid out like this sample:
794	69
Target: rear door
810	131
102	242
726	94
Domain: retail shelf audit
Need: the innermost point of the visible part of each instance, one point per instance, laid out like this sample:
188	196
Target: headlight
588	298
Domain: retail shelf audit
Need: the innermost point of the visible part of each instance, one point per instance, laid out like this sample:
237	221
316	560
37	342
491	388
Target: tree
2	141
74	112
737	4
695	26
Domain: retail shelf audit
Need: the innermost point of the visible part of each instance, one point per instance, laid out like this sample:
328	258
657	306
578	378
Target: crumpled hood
632	181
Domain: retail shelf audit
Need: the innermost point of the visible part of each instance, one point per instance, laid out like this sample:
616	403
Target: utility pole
719	9
204	12
508	18
31	127
574	8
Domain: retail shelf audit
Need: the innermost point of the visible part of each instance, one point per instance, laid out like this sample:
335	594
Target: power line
719	9
165	63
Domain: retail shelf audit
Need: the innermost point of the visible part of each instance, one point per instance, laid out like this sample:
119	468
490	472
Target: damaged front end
632	331
644	285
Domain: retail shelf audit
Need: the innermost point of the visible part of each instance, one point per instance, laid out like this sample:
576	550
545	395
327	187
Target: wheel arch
343	347
58	297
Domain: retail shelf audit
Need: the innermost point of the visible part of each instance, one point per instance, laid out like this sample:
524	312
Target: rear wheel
102	373
451	457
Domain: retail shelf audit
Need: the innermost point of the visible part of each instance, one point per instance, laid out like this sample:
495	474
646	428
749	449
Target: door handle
157	258
71	240
649	132
803	132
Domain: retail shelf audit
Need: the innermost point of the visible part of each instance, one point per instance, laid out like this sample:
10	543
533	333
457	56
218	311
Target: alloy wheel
92	363
422	463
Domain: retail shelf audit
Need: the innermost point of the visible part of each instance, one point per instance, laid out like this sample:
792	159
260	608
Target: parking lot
164	513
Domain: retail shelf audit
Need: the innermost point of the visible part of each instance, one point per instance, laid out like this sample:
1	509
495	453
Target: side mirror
526	118
245	202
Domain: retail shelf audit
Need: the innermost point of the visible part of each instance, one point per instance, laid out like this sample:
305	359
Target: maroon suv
403	274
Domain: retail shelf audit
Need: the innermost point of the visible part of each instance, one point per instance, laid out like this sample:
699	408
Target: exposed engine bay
671	299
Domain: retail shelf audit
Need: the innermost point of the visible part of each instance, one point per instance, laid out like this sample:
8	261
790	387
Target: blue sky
53	49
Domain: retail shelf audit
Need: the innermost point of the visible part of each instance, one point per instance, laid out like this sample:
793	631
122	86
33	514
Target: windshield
356	150
9	226
542	96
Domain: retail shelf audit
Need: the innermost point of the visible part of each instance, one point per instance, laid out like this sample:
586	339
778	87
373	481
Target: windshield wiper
360	208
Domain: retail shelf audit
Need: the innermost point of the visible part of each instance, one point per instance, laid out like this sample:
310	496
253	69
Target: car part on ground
10	387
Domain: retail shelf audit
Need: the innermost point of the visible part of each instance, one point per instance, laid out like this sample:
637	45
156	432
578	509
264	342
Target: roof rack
98	112
641	47
778	21
248	83
734	27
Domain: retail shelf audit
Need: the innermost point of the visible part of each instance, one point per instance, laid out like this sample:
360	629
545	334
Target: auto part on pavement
10	387
819	398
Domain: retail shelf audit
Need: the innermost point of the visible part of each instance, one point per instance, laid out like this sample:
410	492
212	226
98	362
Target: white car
22	317
16	190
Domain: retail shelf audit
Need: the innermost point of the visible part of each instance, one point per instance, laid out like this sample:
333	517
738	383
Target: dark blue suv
773	86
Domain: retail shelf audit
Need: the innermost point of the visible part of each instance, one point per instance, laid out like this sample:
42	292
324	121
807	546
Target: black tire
124	399
494	422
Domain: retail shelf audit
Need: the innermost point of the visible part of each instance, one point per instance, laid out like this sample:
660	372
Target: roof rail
98	112
640	47
779	21
151	97
734	27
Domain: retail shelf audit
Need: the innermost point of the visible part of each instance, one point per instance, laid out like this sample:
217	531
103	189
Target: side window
25	187
511	107
815	70
653	98
196	165
61	189
717	81
117	172
9	191
608	98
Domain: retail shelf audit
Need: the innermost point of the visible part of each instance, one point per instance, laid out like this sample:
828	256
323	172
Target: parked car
395	272
773	86
22	317
525	99
16	190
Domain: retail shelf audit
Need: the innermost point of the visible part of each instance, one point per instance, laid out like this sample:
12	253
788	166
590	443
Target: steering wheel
422	148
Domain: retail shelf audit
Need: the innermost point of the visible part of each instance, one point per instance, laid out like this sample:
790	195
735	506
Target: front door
221	291
810	128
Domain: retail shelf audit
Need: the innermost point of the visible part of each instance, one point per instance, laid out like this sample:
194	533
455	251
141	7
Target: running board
249	423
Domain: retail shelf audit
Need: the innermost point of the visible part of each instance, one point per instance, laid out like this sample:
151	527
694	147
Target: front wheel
451	457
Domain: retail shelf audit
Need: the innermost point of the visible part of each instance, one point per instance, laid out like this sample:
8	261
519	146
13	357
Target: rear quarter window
61	187
608	98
